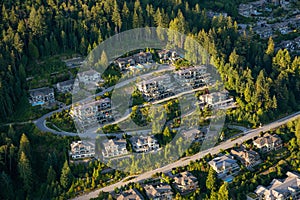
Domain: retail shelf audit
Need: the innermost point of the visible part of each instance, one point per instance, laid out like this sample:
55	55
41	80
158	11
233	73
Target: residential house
41	96
82	149
194	77
65	86
114	148
285	189
144	143
89	77
123	63
194	135
246	10
139	58
225	166
167	56
159	192
248	158
212	14
156	88
74	62
216	100
268	143
89	113
185	182
143	57
131	194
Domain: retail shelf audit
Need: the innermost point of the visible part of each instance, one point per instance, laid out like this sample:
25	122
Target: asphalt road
185	161
41	122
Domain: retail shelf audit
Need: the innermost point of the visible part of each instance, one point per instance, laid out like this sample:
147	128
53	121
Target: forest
265	83
250	67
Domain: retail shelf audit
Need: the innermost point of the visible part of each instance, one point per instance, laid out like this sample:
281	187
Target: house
144	143
123	63
286	189
185	182
248	158
114	148
167	56
156	88
131	194
216	100
74	62
194	77
245	10
82	149
268	143
89	113
225	167
65	86
41	96
159	192
143	57
89	77
194	135
139	58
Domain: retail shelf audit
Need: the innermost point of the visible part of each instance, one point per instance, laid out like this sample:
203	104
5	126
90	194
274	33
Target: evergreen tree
66	176
211	180
116	18
51	176
270	49
25	172
223	192
6	186
297	132
24	146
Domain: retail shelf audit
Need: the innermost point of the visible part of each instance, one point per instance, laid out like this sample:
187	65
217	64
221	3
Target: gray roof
41	91
66	83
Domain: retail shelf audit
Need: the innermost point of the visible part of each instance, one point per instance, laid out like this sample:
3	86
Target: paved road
40	123
185	161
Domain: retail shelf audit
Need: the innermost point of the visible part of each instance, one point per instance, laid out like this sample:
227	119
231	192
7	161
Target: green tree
167	135
270	49
24	146
36	21
66	176
33	51
51	175
116	18
25	172
297	132
6	186
211	180
223	192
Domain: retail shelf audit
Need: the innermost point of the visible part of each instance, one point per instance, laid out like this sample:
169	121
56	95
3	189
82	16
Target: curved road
185	161
41	122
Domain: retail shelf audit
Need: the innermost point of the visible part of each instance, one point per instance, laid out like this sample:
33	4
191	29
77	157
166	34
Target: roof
185	178
221	161
280	188
95	103
131	194
142	139
191	69
90	72
244	153
164	77
159	190
66	83
267	139
81	144
112	142
41	91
